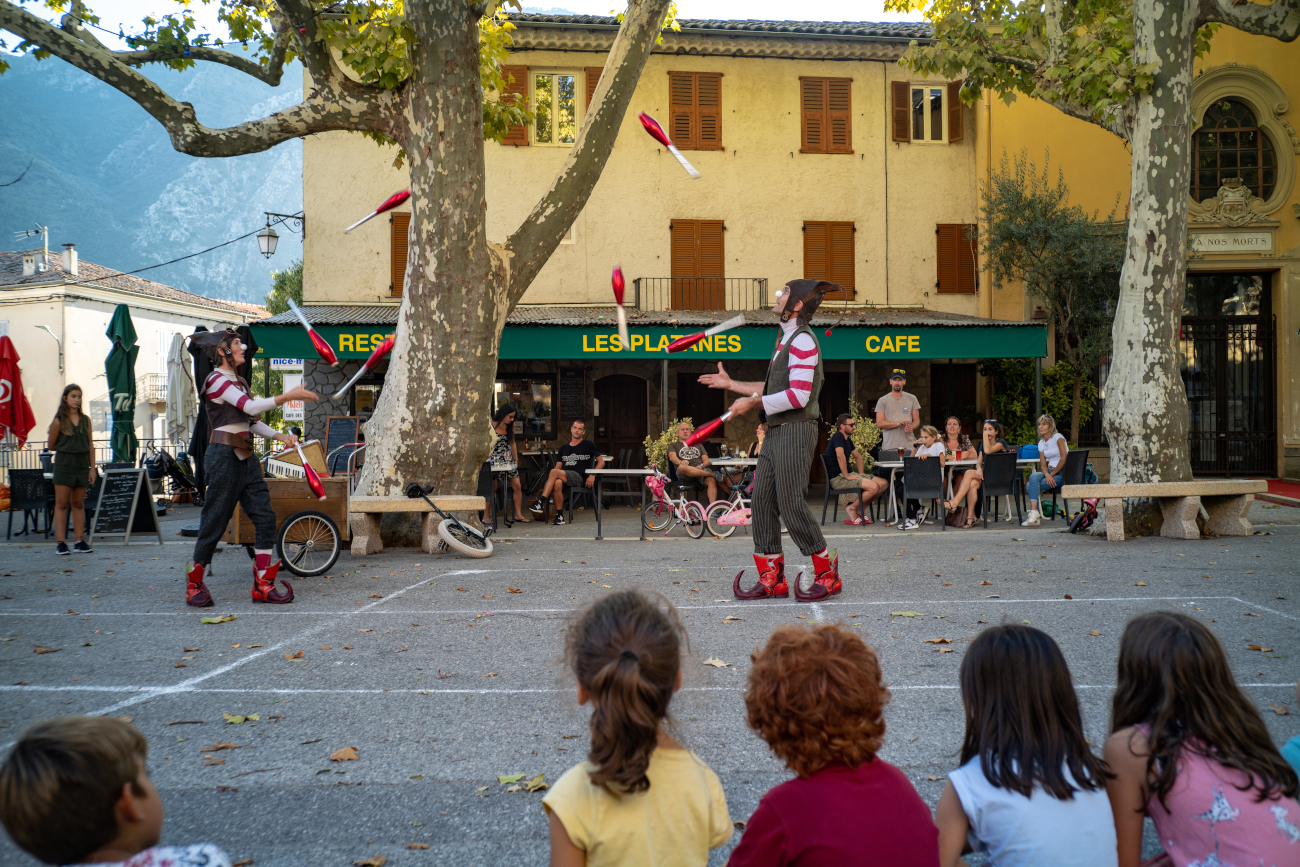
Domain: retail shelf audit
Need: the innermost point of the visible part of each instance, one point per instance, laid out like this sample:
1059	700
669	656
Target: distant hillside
105	175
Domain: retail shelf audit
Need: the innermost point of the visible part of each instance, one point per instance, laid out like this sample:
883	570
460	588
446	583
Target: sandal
519	519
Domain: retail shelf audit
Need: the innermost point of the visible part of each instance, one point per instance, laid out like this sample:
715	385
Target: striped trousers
780	484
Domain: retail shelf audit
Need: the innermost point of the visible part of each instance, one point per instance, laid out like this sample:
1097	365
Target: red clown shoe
771	579
196	592
264	589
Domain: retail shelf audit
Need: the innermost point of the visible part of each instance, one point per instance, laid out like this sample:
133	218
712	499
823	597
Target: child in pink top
1189	750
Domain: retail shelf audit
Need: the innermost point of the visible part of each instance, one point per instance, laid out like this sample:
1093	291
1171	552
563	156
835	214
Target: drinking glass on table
900	453
723	449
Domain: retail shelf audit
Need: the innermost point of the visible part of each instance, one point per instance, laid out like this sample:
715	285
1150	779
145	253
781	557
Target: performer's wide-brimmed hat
810	292
211	341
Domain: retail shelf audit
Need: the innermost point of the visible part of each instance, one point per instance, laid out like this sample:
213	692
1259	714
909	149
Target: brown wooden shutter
838	116
955	255
399	231
956	122
828	255
812	111
712	286
516	90
697	268
593	77
681	109
902	110
708	111
816	250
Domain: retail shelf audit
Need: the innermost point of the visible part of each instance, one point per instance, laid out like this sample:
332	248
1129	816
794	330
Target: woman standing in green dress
74	469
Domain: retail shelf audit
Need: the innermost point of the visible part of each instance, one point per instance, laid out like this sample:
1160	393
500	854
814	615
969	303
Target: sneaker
911	525
62	549
83	548
559	521
1031	520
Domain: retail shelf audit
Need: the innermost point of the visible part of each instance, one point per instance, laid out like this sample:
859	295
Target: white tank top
1051	449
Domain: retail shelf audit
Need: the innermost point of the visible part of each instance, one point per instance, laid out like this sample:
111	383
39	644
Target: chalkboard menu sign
340	431
124	506
573	394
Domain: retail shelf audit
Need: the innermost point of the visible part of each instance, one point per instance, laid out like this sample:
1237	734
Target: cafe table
949	466
600	477
733	462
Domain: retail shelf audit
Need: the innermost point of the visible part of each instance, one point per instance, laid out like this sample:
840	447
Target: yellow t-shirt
675	822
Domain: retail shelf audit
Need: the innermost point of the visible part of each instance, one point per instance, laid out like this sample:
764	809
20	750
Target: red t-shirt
841	816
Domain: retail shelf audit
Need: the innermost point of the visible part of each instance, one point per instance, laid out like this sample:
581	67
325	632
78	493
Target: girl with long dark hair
968	489
641	798
1029	790
1189	749
505	451
74	469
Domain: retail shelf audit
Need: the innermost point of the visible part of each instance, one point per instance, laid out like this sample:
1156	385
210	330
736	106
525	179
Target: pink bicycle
665	512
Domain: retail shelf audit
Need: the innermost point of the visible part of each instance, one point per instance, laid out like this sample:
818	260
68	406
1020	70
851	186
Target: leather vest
778	380
221	413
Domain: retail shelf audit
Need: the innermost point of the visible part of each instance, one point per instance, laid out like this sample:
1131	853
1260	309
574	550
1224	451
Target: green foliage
285	284
656	447
866	436
1084	59
1013	397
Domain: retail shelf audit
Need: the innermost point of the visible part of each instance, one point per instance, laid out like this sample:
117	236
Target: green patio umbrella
121	383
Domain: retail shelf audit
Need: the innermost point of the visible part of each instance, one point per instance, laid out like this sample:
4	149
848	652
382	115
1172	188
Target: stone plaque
1233	241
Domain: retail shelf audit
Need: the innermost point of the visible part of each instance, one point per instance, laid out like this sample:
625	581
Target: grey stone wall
320	378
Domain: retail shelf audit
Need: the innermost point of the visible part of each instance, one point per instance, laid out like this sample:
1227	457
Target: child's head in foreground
1022	715
77	785
625	650
817	697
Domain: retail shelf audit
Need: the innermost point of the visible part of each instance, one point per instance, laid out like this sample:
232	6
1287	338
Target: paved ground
441	677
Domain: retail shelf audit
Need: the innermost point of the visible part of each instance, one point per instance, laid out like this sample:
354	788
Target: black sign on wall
573	394
124	506
341	431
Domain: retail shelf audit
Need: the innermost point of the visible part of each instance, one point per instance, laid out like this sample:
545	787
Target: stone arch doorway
621	423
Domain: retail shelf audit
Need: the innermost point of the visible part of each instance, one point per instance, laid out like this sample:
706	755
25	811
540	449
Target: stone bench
1226	503
364	514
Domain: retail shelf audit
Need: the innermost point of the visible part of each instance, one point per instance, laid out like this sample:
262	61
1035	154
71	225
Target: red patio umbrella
15	412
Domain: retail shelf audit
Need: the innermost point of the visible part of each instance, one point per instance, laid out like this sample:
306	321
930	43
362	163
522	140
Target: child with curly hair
817	697
641	798
74	790
1189	750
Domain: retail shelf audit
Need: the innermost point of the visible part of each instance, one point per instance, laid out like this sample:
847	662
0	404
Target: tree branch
315	54
538	236
270	74
71	22
328	108
1280	19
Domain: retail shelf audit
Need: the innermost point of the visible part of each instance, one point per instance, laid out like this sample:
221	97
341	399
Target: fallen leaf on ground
731	617
945	650
1261	649
417	845
933	779
985	582
490	597
460	588
536	784
219	619
514	590
482	788
243	863
509	778
717	663
1140	584
221	745
936	641
297	655
739	823
442	676
367	630
375	596
1252	614
376	861
1068	596
489	674
1281	711
210	762
347	754
1094	632
990	596
906	614
47	650
515	788
190	649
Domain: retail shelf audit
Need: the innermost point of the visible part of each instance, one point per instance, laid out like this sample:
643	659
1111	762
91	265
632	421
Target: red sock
821	561
263	562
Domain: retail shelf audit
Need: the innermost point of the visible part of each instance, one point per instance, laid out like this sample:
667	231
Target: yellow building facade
818	156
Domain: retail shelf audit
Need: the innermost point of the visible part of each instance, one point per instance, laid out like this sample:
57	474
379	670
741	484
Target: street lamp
267	239
47	330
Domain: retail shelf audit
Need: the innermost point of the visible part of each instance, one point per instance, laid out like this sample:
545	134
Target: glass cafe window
532	397
928	113
555	97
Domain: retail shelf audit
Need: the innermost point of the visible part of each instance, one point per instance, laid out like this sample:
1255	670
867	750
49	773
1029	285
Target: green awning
568	342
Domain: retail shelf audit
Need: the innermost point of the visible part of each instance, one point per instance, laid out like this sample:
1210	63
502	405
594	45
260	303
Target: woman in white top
1030	791
1051	461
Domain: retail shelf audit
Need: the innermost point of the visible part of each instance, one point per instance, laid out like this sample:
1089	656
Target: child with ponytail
641	798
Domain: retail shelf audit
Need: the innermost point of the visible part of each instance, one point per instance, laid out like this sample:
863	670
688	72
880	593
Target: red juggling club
322	348
391	202
657	133
705	431
313	479
691	339
379	354
617	280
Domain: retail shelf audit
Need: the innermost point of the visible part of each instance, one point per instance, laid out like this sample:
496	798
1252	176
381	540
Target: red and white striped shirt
803	362
223	387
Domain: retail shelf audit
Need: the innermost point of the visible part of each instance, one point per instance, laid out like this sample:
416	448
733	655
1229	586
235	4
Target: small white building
75	301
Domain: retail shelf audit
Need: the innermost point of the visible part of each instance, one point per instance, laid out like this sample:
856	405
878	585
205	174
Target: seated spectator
75	790
968	489
573	461
1189	750
956	445
928	447
1051	462
817	697
1291	750
1029	790
691	462
841	448
760	434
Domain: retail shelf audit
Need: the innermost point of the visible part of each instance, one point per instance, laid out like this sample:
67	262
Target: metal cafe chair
1001	479
923	480
1076	464
832	465
29	493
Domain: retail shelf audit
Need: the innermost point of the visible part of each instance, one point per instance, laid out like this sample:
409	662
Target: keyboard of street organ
287	464
284	469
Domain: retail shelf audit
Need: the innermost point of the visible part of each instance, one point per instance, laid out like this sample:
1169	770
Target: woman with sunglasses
968	490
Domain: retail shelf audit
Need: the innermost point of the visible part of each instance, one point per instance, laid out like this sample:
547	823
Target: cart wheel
309	543
469	544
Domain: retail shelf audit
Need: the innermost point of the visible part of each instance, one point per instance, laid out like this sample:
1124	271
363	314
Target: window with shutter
399	228
824	109
935	113
695	110
901	110
955	257
828	255
593	77
956	123
697	268
516	90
